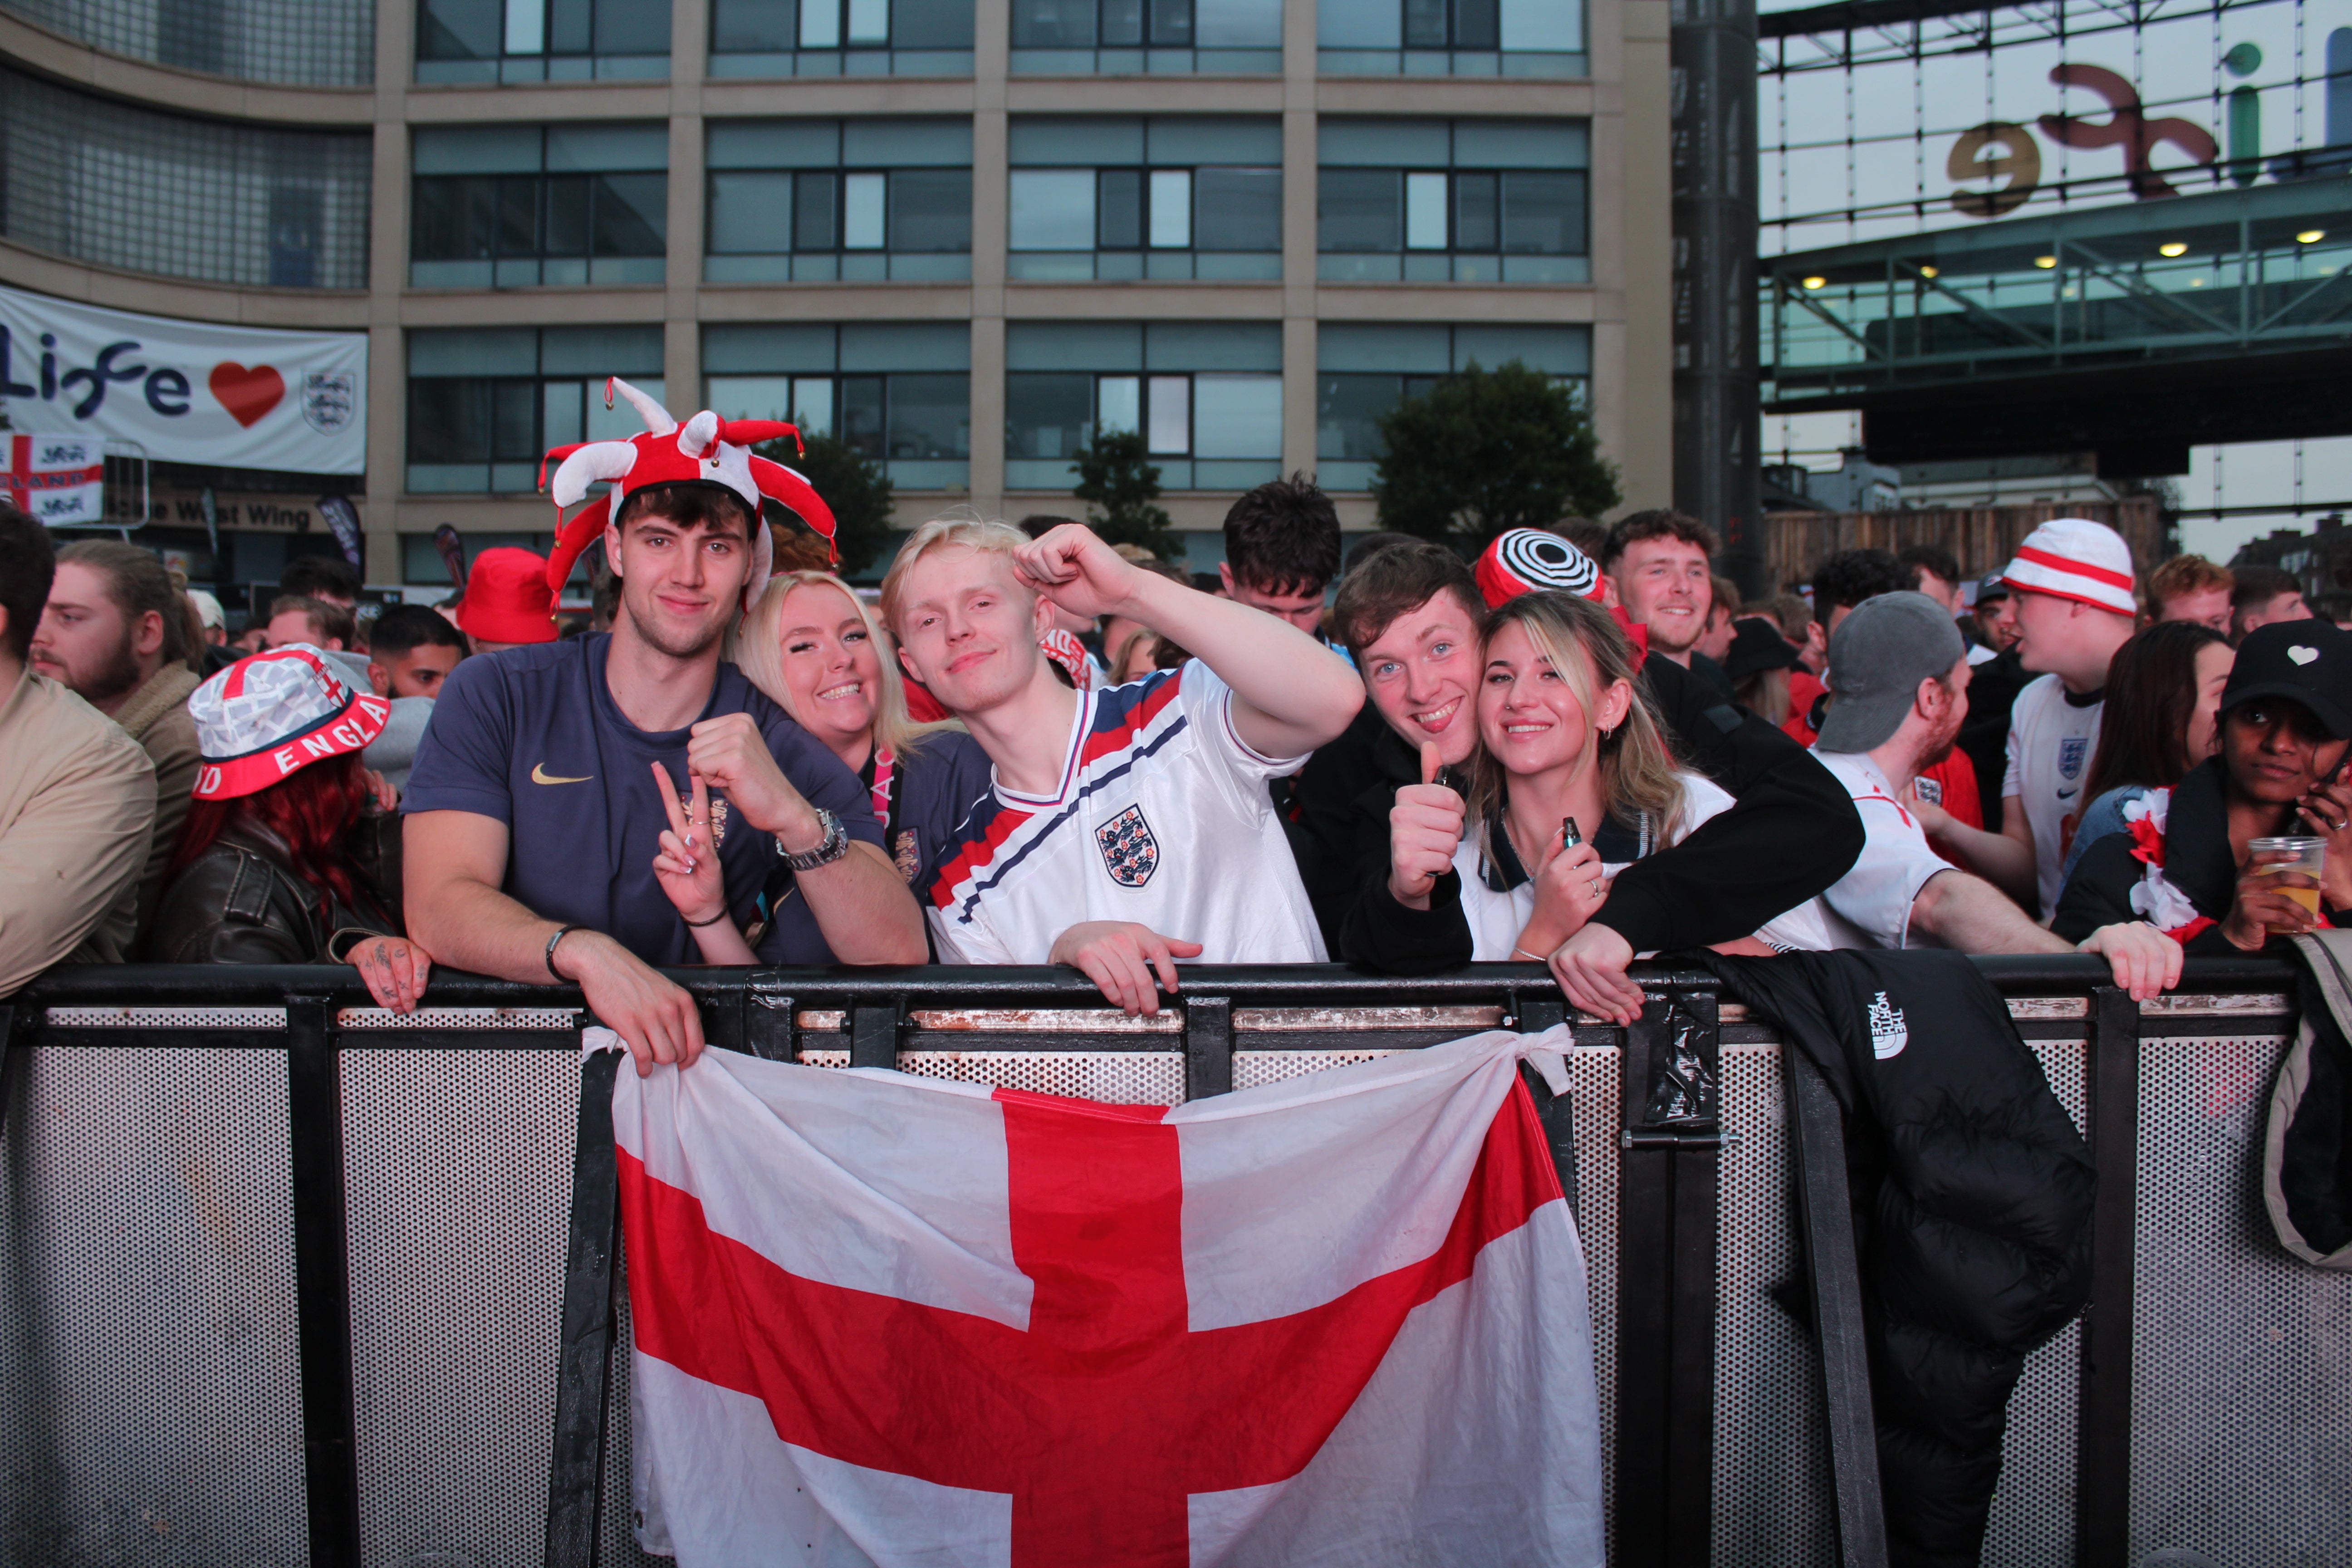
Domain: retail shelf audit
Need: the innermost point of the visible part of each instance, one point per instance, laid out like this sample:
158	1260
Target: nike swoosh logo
539	774
2066	793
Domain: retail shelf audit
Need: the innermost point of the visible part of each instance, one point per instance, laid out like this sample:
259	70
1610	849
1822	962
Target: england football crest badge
330	399
2071	751
1130	852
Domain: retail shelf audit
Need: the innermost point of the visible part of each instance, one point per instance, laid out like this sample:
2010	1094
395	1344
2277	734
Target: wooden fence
1982	537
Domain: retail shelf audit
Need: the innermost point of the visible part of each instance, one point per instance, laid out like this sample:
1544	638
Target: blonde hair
964	527
1637	766
758	651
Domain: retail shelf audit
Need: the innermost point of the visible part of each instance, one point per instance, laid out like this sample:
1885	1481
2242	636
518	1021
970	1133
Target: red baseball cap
507	597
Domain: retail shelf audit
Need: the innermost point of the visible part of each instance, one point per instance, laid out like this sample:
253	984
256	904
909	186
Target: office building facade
962	234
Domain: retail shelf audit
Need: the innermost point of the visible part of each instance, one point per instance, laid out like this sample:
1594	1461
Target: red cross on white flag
54	478
896	1321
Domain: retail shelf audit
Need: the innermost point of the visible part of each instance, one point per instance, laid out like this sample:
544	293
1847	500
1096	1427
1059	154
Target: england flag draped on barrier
893	1320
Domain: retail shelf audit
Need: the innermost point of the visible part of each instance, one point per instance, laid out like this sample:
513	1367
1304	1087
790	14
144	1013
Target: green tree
1120	487
1488	451
852	485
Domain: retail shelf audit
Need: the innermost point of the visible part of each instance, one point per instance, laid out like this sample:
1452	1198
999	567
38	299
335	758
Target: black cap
2309	662
1754	647
1990	586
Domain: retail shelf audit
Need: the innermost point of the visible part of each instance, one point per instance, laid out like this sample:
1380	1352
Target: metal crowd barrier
285	1278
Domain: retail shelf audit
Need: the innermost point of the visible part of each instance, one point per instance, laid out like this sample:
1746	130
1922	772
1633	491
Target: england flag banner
896	1320
185	392
54	480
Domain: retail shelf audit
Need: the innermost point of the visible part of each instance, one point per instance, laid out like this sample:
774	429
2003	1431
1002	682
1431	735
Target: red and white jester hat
705	451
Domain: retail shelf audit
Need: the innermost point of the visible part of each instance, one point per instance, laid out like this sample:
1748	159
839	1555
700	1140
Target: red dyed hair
311	812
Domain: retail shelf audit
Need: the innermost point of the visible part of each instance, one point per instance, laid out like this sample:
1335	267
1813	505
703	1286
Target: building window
306	43
120	187
1362	368
840	37
1086	37
541	40
1450	38
1473	201
514	206
899	392
802	200
486	403
1206	394
1164	198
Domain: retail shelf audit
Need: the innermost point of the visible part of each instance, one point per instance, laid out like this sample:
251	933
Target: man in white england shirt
1128	827
1898	691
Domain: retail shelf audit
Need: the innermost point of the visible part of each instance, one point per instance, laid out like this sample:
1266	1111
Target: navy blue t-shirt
531	737
929	794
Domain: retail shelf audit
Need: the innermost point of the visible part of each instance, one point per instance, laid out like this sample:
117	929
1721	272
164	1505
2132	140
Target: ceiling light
2173	247
2045	262
1929	271
2311	236
1816	283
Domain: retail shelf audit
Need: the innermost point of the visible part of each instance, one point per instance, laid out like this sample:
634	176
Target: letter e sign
2015	156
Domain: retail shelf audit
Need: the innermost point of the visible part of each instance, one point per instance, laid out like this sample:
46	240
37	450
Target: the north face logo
1888	1033
1130	852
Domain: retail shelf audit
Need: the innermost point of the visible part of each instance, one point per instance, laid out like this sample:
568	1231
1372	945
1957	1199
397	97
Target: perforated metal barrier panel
150	1410
2242	1360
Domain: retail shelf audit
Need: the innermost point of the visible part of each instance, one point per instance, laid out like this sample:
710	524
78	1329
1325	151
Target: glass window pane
631	215
517	216
1213	345
567	217
1053	23
751	26
526	30
449	421
1475	217
1119	403
1347	415
1384	346
1543	23
474	352
869	21
1358	24
820	24
1168	426
1049	143
1239	209
776	144
931	209
455	30
907	143
1059	345
1424	212
905	345
930	416
1238	23
633	27
1053	209
751	396
439	228
1179	138
750	214
1046	415
1359	209
1473	24
1425	24
607	149
812	207
1122	23
861	211
932	24
1119	209
1521	145
477	149
1556	350
1171	209
813	403
560	409
1172	24
1383	143
859	410
514	422
1543	215
1236	415
568	28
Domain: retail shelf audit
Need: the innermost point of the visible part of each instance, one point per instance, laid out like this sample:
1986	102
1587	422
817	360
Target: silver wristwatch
831	847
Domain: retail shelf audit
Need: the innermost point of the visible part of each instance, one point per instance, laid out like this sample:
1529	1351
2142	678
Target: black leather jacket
240	901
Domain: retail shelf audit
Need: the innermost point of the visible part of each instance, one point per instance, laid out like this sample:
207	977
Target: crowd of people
1035	747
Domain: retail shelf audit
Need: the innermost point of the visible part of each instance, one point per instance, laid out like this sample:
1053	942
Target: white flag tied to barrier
186	392
54	480
898	1320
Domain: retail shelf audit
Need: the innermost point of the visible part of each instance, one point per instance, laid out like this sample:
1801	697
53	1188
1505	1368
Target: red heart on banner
247	395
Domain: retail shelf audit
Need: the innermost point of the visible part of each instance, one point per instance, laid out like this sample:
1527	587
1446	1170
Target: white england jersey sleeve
2051	741
1870	906
1162	818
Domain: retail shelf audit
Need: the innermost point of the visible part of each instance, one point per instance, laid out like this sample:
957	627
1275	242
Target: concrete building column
387	389
992	49
1298	291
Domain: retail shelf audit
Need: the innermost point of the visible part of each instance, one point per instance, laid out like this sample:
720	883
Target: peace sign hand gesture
688	867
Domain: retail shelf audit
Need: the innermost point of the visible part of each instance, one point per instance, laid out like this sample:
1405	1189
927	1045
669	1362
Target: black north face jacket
1972	1194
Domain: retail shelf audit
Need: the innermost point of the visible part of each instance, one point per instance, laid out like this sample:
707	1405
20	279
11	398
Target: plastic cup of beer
2310	859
